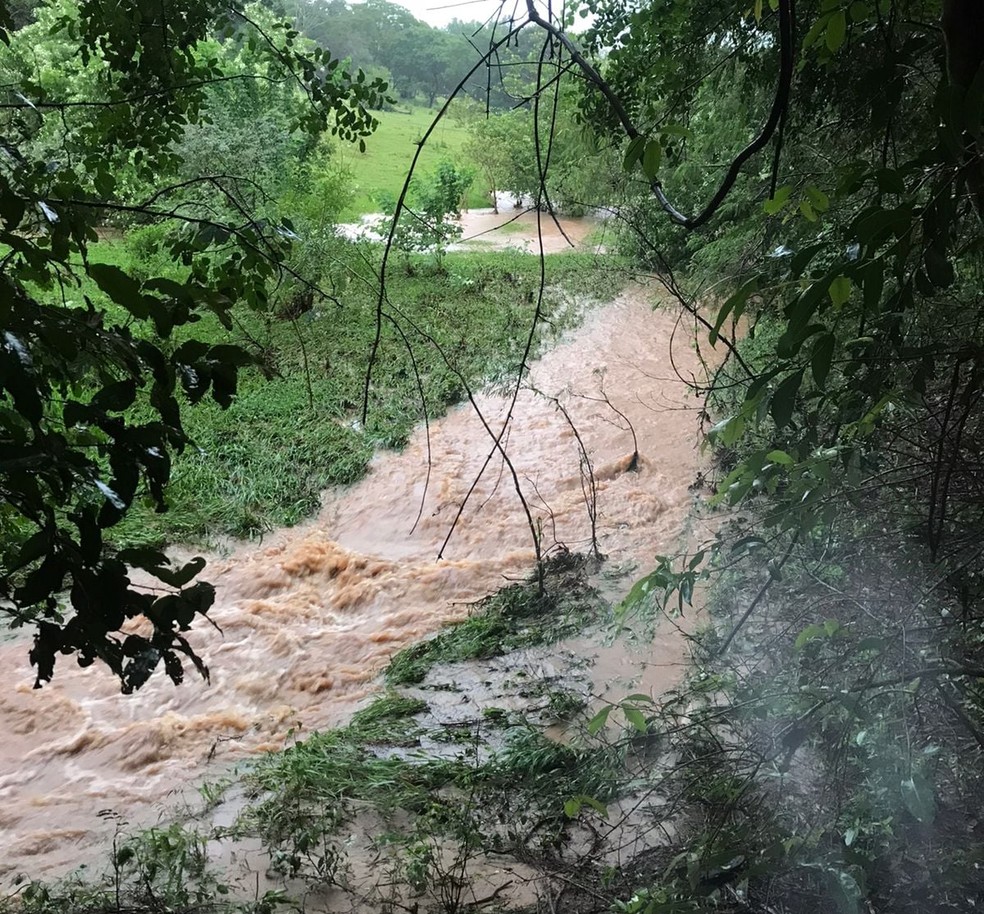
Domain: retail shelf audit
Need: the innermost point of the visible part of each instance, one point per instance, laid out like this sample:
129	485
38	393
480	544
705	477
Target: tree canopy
421	60
105	106
820	165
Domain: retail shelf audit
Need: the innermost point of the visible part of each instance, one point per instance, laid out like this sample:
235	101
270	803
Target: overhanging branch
779	105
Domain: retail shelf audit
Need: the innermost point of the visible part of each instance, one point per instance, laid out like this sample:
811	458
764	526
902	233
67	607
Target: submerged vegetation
295	427
825	751
555	604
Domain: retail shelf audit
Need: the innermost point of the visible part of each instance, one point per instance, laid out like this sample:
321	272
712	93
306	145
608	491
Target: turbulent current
310	616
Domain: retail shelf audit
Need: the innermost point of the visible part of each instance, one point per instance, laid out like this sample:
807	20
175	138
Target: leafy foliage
429	223
74	453
836	271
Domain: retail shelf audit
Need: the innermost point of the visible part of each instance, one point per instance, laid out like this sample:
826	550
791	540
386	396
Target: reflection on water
308	618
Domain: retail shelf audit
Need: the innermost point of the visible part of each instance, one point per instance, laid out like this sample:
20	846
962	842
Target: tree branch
779	105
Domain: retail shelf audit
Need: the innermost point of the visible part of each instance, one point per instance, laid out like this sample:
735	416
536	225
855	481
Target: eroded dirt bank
309	617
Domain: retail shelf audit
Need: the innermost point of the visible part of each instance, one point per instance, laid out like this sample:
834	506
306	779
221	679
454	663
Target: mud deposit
309	617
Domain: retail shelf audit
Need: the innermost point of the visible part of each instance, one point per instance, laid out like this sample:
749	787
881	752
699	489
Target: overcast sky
441	12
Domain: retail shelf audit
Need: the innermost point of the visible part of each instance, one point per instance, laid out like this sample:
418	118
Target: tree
92	375
431	221
502	146
852	218
806	179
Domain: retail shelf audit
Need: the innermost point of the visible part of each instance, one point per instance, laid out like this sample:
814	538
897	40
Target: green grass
380	171
263	462
517	616
389	719
307	796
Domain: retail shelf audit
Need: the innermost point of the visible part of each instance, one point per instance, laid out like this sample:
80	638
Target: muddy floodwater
525	229
309	616
511	228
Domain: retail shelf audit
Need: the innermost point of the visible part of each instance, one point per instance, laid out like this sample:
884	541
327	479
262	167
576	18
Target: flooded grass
295	429
389	719
520	615
313	798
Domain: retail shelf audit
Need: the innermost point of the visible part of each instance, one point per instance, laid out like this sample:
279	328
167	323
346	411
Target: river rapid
309	616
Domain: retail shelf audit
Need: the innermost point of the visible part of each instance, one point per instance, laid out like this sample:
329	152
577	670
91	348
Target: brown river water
310	616
513	227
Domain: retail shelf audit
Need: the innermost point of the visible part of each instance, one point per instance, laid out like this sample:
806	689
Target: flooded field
309	616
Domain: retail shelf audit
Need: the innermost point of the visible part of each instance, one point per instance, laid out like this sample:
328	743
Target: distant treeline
385	39
418	59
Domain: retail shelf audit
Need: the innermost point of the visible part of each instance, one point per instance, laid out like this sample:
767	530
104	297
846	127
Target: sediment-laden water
309	616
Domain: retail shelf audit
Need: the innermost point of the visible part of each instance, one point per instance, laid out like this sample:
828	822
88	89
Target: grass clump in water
155	871
315	796
388	718
521	615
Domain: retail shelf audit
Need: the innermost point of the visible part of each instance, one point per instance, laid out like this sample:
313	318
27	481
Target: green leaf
836	31
806	209
727	431
839	290
784	399
676	130
634	153
583	800
36	546
810	633
780	457
735	306
917	794
873	282
821	359
778	201
597	723
819	200
859	11
115	397
651	158
636	718
875	224
815	31
655	580
574	805
801	259
119	286
890	181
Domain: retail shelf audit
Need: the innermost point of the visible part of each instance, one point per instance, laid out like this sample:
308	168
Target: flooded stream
509	227
310	616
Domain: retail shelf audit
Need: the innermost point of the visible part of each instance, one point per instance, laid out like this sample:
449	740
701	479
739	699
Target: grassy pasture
381	170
